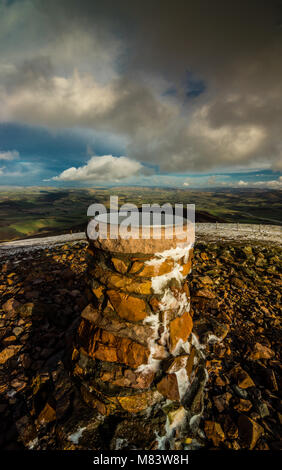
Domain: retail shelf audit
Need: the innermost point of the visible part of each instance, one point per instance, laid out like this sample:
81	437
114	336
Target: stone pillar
135	349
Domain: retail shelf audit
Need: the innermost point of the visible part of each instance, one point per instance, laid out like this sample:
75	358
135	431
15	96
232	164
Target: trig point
135	351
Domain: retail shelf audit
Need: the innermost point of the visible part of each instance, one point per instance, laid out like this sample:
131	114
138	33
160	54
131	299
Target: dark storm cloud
217	35
221	59
35	72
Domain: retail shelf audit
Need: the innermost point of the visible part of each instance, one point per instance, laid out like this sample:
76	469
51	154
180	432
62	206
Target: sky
183	93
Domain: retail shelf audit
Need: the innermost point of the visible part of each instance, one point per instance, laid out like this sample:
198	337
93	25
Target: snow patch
185	346
169	302
182	382
214	339
32	443
152	364
174	253
195	420
74	437
196	343
159	282
177	421
120	442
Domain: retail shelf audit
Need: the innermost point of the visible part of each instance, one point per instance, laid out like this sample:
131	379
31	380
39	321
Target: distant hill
37	212
205	217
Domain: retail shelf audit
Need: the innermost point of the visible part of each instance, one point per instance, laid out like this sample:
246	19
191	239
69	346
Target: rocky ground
237	295
236	298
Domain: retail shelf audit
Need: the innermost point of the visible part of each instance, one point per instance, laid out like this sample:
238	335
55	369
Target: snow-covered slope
204	231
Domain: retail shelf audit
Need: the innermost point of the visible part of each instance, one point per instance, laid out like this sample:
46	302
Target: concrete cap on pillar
148	233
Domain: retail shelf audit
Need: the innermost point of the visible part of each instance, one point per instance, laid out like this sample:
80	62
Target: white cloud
58	101
275	184
9	155
104	168
212	180
21	170
232	140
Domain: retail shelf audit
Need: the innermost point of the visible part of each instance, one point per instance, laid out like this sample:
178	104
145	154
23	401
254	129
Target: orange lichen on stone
186	290
214	432
186	268
180	328
249	431
177	363
118	281
9	352
131	353
75	354
3	388
190	361
78	371
103	345
241	377
168	387
127	307
103	408
129	378
261	351
85	331
105	353
47	415
90	313
98	292
137	403
136	267
129	285
151	270
120	265
155	304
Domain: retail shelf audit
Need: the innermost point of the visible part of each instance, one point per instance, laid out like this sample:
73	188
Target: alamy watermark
150	221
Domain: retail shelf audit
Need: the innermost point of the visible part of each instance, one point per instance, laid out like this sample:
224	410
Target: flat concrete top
145	219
